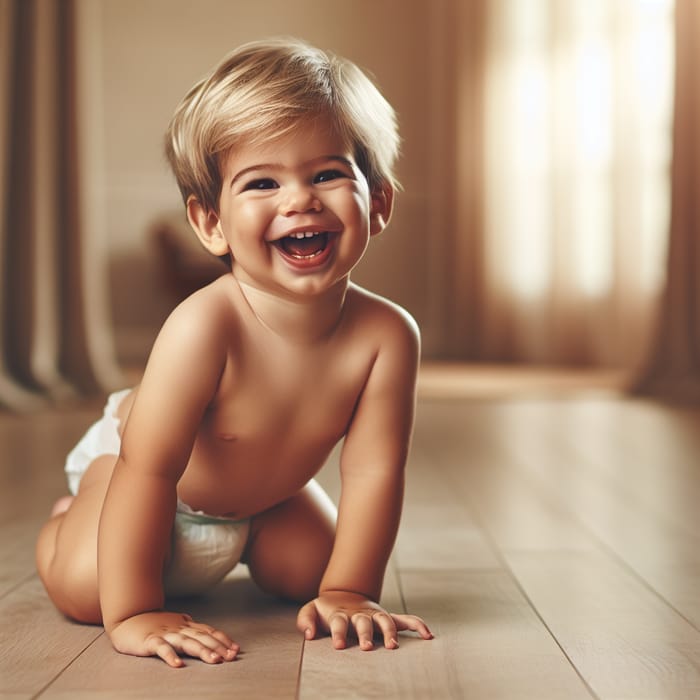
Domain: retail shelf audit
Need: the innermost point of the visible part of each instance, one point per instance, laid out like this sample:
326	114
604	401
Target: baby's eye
263	183
328	175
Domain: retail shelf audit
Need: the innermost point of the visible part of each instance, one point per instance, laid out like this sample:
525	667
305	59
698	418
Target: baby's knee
293	572
292	583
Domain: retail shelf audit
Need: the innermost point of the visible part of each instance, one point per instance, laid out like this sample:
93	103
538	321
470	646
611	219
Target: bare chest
269	431
266	414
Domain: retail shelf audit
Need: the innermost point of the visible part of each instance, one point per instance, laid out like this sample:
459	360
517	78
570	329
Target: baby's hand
336	612
168	635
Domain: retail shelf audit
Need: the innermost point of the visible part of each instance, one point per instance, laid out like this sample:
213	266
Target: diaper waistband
185	512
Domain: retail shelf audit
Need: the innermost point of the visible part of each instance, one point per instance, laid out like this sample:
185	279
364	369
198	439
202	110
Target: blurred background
549	215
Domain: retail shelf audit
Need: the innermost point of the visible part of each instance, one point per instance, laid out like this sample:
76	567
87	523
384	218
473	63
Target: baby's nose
299	200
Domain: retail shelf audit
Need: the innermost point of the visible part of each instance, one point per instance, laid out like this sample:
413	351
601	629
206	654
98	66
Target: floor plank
624	640
17	553
452	540
662	552
647	451
489	643
36	643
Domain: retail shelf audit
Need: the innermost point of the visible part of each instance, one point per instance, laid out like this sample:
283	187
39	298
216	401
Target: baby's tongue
303	247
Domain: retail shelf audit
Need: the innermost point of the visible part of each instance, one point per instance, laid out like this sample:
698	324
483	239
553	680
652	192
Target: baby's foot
61	505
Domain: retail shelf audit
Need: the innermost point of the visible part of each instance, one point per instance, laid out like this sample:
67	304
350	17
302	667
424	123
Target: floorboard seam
23	581
639	577
66	667
297	690
605	547
476	514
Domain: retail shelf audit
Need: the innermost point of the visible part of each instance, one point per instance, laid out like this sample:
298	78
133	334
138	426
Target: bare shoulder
196	337
386	329
383	321
204	317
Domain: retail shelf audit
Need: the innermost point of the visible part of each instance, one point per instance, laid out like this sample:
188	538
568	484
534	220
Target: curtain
674	366
568	242
55	337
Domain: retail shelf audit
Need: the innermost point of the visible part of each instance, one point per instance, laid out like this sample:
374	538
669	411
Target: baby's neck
306	320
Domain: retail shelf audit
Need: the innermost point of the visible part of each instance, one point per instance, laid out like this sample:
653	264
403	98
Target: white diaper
204	550
204	547
102	438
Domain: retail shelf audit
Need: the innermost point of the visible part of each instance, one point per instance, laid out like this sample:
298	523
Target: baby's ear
207	226
382	204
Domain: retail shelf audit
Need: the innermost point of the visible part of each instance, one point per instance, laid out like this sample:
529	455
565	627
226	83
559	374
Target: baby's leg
66	551
290	544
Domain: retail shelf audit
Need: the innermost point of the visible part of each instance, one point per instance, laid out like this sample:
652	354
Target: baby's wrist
345	591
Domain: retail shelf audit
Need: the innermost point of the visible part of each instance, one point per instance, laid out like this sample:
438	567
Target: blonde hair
261	91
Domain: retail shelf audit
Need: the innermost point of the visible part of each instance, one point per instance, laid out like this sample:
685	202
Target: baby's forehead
313	136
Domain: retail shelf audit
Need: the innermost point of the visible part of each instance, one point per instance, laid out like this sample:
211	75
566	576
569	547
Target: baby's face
295	212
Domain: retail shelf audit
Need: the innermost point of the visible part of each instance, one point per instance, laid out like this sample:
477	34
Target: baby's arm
372	473
139	509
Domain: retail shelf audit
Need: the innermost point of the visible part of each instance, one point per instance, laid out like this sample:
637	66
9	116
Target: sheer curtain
55	335
577	113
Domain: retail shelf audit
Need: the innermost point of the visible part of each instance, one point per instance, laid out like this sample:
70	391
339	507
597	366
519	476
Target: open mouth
304	245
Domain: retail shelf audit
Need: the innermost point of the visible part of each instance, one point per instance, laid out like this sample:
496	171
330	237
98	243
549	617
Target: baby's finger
159	647
413	623
220	636
364	630
190	646
338	625
386	625
230	645
211	642
307	620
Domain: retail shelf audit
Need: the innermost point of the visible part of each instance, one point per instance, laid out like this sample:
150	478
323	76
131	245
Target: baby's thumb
307	619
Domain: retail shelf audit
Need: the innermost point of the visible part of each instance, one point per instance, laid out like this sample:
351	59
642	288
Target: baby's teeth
303	234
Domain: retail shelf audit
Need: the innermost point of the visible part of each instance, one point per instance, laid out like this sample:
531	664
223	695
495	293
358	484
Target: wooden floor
551	541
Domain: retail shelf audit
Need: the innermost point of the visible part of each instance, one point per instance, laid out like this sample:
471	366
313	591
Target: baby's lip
306	254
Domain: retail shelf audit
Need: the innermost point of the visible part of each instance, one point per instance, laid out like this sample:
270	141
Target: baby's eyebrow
279	166
253	168
340	159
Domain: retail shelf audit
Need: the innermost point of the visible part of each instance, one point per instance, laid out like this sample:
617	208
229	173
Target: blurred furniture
184	264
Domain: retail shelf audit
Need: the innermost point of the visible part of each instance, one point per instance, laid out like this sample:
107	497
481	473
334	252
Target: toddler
284	157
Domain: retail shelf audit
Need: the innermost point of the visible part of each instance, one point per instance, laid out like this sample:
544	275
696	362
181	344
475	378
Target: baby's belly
239	483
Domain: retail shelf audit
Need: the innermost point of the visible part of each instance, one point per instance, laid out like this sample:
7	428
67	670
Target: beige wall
144	55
